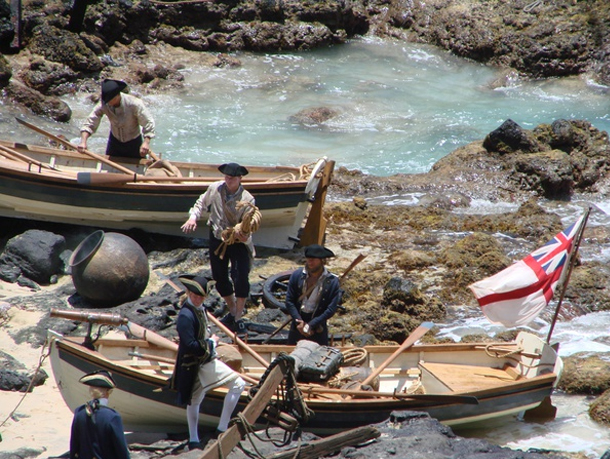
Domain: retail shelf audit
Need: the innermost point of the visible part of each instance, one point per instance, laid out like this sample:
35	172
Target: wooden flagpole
571	261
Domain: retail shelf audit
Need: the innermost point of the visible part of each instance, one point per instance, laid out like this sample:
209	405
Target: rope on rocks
248	428
42	358
531	6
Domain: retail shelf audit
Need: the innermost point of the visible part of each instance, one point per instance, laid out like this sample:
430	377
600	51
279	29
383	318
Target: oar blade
407	343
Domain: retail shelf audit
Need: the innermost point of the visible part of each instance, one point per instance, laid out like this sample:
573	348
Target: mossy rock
584	373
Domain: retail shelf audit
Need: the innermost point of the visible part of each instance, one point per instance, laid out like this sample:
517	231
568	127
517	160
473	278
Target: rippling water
401	108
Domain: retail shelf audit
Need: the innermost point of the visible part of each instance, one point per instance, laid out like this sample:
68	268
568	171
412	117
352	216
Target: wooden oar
352	265
74	147
407	343
450	398
152	337
238	341
14	154
154	155
110	178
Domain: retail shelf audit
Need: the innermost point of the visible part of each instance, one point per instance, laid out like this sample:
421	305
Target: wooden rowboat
456	383
64	186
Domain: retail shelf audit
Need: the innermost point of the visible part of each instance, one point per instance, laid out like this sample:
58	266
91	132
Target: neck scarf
229	204
311	297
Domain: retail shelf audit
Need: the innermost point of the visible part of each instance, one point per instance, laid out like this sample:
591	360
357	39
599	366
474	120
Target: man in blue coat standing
97	430
197	369
313	297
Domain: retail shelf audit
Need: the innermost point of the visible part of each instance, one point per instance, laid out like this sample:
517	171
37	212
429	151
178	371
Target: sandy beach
41	421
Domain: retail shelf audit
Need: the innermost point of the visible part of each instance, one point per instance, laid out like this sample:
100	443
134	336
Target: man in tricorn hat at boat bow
97	430
197	369
131	125
313	297
224	200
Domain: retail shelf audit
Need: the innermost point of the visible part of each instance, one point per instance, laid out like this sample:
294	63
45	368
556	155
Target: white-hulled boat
458	384
64	186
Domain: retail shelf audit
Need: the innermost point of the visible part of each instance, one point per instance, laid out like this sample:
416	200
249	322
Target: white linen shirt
211	201
127	121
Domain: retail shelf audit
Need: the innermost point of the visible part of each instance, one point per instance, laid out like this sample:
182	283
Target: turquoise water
401	107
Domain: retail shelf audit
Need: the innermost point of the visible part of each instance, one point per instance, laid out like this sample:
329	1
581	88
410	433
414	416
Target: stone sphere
109	269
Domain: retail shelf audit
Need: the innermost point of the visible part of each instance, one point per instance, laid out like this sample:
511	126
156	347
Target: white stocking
192	417
230	402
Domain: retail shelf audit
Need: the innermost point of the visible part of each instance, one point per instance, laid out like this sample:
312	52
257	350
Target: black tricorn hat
110	88
317	251
100	378
233	169
195	284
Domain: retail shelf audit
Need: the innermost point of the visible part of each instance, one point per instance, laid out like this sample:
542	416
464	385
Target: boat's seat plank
461	378
122	343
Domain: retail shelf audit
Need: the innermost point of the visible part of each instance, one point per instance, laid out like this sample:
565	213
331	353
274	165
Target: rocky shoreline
48	54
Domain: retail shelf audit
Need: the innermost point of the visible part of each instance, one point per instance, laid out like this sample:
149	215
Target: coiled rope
531	6
501	353
249	224
248	428
512	355
306	169
354	357
179	2
289	399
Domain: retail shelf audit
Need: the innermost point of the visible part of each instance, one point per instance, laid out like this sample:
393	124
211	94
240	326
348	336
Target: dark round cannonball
109	269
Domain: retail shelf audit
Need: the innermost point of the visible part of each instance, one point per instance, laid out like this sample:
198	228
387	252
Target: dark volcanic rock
15	381
509	138
49	78
64	47
50	106
5	71
36	253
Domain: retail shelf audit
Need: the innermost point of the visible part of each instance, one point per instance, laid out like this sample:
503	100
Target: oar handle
152	337
279	329
238	341
352	265
13	154
407	343
153	155
74	147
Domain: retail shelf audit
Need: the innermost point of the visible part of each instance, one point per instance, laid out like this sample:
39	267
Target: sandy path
42	420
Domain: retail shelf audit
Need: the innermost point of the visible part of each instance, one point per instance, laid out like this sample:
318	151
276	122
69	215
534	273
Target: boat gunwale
142	163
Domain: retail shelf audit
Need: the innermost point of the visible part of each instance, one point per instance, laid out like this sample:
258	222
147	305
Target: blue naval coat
100	436
327	307
190	354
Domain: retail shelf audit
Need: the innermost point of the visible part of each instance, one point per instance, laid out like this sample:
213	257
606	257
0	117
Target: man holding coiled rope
225	201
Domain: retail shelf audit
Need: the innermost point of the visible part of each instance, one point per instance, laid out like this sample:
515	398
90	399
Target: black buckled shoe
192	445
228	321
240	327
